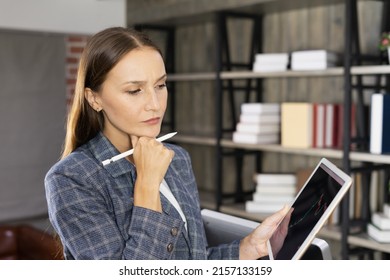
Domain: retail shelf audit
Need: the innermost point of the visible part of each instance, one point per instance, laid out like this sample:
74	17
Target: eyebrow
143	82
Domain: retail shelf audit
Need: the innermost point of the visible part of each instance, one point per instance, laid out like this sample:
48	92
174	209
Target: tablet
312	206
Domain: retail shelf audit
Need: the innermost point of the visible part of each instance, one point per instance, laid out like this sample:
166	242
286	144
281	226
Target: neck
121	142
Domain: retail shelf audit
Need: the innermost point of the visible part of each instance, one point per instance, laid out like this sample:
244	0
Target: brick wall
74	45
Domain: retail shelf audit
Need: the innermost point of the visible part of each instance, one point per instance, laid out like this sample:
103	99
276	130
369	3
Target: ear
93	99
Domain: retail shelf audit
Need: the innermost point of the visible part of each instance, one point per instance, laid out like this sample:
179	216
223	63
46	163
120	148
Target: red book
336	124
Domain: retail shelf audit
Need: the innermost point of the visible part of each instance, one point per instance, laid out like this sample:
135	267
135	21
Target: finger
288	215
172	154
277	217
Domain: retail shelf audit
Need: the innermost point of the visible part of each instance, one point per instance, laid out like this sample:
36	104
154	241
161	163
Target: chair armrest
35	244
8	243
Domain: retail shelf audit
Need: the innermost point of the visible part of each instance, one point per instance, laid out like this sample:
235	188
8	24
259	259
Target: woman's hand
277	239
254	245
152	160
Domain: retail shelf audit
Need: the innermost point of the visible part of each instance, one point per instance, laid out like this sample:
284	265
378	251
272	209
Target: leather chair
24	242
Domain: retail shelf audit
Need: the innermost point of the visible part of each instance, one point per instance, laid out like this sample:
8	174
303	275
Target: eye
161	86
134	92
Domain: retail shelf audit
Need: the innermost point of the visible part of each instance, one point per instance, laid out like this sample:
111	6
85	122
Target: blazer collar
102	149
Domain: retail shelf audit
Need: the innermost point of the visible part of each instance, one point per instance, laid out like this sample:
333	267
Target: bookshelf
223	75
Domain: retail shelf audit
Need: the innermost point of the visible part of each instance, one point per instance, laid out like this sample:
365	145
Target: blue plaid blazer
91	208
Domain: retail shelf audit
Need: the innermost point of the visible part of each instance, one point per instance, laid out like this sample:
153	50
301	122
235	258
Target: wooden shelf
370	70
368	157
197	140
187	77
330	72
363	240
329	153
336	71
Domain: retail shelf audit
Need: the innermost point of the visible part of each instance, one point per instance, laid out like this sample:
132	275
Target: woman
145	206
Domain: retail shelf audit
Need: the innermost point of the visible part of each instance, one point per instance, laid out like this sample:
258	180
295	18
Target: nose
152	102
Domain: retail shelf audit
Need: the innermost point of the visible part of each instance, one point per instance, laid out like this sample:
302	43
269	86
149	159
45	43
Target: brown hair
102	52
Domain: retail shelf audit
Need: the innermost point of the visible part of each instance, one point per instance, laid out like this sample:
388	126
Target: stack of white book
259	124
379	228
313	60
273	191
271	62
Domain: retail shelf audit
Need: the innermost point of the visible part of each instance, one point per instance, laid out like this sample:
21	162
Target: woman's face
134	96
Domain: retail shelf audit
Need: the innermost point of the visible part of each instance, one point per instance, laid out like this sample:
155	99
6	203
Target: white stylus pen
129	152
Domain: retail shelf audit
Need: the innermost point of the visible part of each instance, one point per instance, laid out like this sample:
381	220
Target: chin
152	133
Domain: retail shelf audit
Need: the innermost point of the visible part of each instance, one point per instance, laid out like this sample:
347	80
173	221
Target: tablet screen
309	212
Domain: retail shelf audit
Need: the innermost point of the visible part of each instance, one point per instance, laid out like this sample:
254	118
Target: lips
152	121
